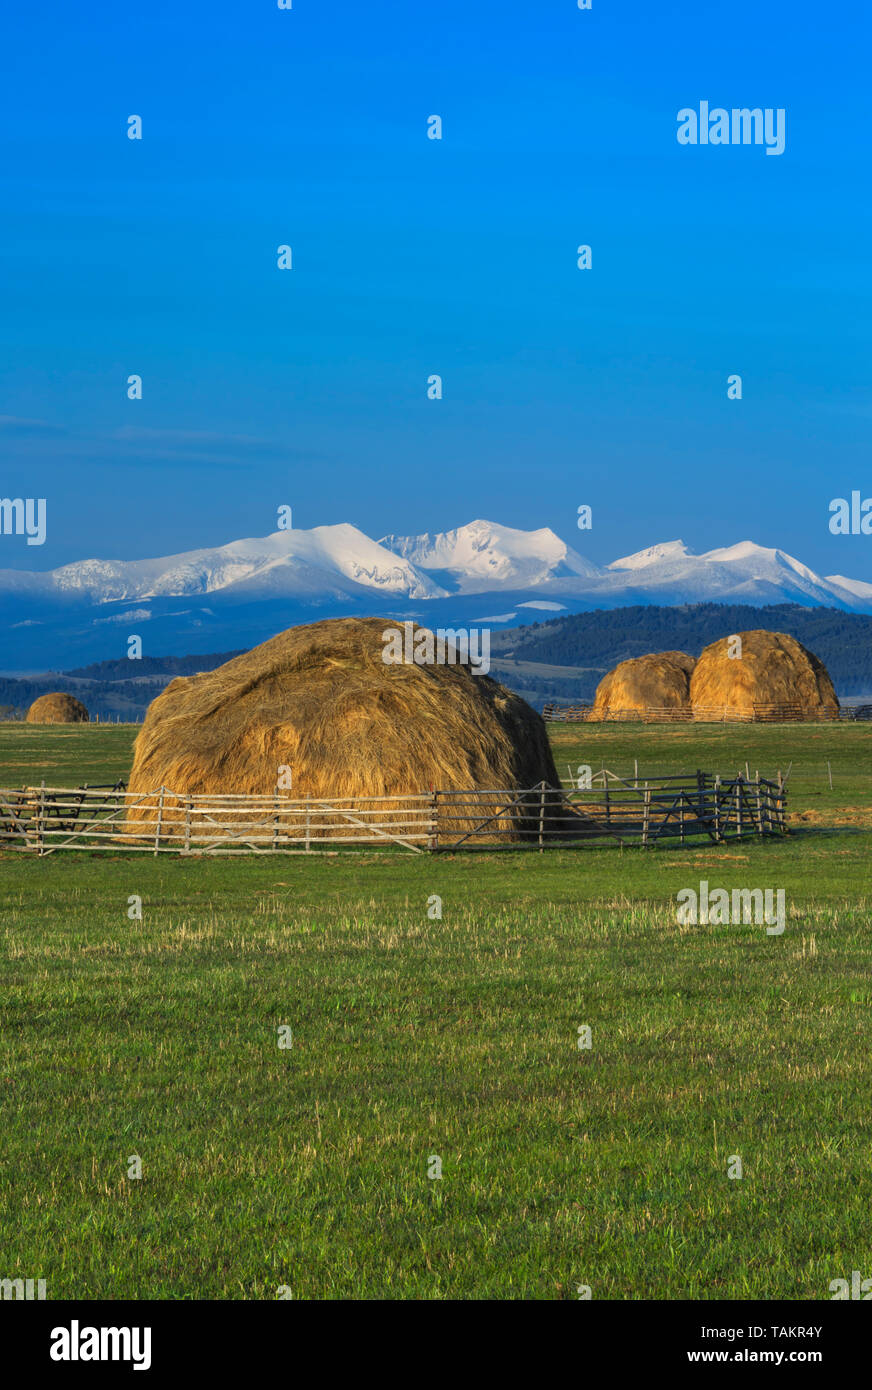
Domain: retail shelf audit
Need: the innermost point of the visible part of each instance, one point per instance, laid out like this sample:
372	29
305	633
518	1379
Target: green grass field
308	1167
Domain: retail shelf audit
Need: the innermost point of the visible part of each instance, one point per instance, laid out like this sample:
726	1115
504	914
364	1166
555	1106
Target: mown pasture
413	1037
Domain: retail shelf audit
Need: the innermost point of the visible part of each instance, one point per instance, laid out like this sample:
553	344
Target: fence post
434	823
541	813
760	829
739	805
159	821
40	815
646	816
187	825
275	837
308	822
718	809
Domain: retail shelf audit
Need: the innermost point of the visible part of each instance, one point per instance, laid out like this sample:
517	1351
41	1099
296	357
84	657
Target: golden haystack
321	701
658	681
57	708
775	677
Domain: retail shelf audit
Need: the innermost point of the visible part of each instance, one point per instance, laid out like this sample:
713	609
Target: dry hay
776	677
658	681
320	700
57	708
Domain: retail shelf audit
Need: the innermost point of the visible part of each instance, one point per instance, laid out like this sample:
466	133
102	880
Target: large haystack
321	701
57	708
658	681
775	678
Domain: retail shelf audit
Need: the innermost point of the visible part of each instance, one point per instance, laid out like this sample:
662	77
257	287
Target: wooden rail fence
43	820
855	712
684	807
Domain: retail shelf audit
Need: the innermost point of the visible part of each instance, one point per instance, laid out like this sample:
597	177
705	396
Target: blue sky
413	257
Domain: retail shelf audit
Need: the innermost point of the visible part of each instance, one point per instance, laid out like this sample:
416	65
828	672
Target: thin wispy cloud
192	439
149	444
21	427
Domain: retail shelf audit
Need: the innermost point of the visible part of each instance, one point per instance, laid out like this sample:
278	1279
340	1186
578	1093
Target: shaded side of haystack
657	681
776	677
57	708
320	700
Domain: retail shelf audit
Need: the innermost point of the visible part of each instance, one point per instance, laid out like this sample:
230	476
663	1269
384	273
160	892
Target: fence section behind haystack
776	713
43	820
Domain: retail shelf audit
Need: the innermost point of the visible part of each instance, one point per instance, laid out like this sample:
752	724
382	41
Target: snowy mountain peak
666	550
742	550
484	555
749	553
857	588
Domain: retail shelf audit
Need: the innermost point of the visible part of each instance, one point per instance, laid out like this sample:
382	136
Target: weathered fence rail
715	714
44	820
566	713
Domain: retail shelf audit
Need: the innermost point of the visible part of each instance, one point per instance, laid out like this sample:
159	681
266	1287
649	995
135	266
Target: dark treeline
123	668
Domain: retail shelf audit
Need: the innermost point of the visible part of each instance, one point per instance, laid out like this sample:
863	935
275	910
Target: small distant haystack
658	681
775	678
320	700
57	708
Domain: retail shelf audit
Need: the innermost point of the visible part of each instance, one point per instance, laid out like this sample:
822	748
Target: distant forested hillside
598	641
124	669
109	689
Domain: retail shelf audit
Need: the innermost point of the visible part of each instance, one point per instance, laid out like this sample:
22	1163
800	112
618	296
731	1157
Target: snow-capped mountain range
247	589
332	562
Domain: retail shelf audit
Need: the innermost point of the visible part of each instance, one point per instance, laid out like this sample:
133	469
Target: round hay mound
775	678
658	681
320	700
57	708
